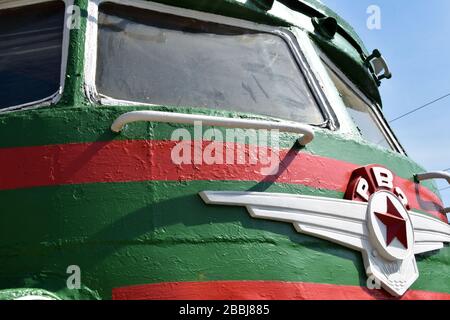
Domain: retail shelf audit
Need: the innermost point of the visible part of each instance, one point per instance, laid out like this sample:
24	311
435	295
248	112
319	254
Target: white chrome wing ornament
383	230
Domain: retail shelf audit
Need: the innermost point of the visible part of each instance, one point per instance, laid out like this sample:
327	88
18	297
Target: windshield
361	112
161	59
30	53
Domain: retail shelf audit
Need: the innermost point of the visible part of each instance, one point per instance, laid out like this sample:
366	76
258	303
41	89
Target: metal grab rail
379	64
160	116
434	175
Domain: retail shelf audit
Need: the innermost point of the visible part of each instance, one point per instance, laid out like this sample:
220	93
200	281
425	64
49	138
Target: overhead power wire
420	108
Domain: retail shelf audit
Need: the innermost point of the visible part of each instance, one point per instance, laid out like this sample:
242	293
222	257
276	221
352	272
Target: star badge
383	230
395	224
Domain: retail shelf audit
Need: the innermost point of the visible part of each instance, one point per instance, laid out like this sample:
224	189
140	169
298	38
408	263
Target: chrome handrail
305	130
379	64
434	175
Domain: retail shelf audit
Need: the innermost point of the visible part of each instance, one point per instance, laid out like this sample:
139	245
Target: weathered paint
83	125
124	232
261	290
150	160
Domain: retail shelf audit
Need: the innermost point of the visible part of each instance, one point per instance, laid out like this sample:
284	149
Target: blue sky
415	40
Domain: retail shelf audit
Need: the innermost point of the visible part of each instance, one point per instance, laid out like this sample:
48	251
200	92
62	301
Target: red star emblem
395	224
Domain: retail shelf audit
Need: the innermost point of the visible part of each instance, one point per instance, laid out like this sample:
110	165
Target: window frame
54	98
380	120
91	53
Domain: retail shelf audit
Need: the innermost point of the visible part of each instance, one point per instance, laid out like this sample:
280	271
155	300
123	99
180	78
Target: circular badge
390	227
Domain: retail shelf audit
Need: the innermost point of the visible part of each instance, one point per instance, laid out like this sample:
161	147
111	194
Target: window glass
162	59
361	113
30	52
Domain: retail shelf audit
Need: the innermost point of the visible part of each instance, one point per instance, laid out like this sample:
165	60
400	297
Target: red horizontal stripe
144	160
261	290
